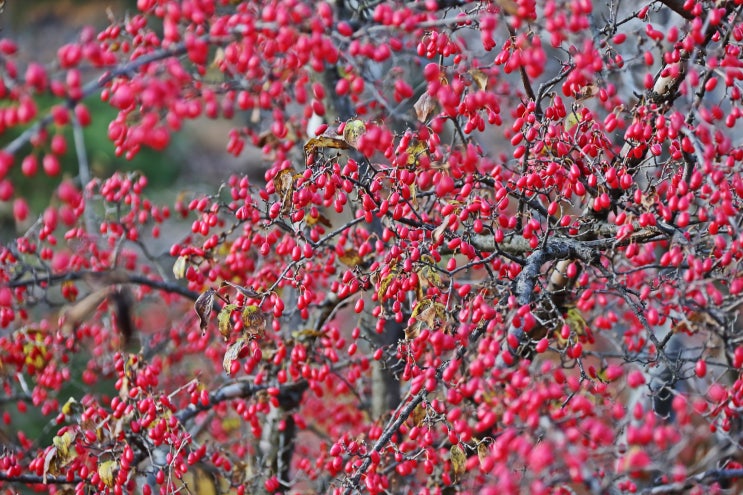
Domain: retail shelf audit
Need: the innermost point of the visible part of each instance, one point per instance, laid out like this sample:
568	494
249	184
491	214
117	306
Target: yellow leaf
106	471
458	460
320	218
233	352
180	266
72	406
350	258
353	130
384	285
324	142
414	151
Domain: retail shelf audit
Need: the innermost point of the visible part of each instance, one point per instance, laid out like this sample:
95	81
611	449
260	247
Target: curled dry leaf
233	352
325	142
203	307
254	321
246	291
425	107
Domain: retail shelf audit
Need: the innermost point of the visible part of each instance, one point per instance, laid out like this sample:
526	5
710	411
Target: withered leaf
283	183
350	258
458	460
414	151
233	352
223	318
353	131
254	321
480	78
418	414
50	464
325	142
203	307
425	107
246	291
321	219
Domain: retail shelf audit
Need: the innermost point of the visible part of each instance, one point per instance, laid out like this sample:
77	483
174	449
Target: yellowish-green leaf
233	352
106	471
72	406
414	151
575	320
180	266
384	285
458	460
63	443
223	318
353	131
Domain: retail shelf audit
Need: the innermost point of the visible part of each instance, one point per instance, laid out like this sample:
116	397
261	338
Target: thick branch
109	277
46	480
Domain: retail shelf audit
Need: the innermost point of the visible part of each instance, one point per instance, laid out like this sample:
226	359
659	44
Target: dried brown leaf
254	321
233	352
325	142
425	107
350	258
480	78
203	307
